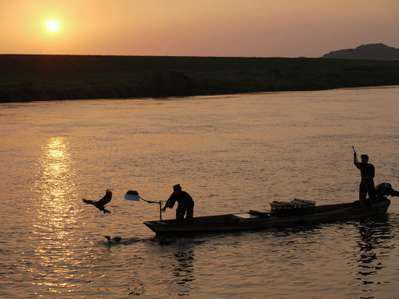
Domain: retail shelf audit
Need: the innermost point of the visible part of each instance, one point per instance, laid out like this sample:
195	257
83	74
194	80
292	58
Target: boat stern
382	206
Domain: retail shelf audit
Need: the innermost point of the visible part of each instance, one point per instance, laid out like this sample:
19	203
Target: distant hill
369	51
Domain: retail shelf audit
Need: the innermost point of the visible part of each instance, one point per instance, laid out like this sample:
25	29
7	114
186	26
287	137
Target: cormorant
100	204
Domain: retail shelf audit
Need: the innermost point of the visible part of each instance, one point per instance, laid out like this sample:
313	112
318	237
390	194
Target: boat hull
260	221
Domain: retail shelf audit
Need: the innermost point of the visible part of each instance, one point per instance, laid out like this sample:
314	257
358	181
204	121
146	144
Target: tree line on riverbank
52	77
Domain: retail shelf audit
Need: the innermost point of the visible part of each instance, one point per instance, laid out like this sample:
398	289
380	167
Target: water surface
232	153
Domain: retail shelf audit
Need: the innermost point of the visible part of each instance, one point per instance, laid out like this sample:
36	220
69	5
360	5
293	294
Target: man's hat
177	187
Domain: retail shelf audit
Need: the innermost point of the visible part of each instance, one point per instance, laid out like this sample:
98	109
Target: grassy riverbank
47	77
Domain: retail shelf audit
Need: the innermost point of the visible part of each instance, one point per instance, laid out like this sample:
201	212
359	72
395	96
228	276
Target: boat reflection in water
177	259
375	246
184	268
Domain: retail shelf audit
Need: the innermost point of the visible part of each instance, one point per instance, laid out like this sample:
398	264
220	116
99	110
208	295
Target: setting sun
52	26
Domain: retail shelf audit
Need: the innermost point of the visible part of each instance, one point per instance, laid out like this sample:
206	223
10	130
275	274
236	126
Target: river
232	154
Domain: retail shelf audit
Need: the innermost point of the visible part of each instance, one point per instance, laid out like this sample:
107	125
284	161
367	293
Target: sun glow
52	26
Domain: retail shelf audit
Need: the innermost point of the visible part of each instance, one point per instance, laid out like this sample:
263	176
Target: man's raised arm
355	160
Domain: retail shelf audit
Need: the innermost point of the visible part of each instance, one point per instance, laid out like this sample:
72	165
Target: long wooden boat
254	220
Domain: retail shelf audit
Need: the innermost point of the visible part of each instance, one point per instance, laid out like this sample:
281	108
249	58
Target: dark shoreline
27	78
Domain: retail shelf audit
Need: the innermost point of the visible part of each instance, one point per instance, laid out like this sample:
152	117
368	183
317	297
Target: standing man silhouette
367	173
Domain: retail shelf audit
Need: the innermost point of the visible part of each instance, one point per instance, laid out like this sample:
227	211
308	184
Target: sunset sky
195	28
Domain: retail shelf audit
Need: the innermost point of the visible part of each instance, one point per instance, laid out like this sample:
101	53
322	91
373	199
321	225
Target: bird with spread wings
101	203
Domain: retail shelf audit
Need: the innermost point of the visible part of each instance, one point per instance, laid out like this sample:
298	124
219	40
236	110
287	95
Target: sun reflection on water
56	184
56	217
